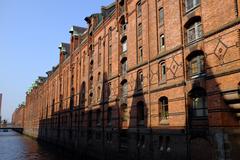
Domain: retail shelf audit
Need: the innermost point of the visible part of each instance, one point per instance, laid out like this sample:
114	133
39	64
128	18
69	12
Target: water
14	146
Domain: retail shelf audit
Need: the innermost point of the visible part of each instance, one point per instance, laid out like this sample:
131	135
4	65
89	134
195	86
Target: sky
30	33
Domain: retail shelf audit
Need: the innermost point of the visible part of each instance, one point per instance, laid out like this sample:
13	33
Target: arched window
163	109
99	93
198	102
140	113
99	50
139	8
90	98
53	104
124	88
124	46
99	76
124	112
121	2
124	66
162	71
195	63
82	95
110	33
140	80
193	29
83	62
139	30
72	99
162	42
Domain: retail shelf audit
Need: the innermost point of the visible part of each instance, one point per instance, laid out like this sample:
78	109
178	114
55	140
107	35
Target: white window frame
162	42
124	46
197	31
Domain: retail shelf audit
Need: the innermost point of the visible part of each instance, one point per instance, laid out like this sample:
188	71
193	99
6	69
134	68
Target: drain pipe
149	71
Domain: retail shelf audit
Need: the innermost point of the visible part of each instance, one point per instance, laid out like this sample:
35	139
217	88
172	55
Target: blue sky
30	32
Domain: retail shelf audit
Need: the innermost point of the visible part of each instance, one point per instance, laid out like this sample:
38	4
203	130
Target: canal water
14	146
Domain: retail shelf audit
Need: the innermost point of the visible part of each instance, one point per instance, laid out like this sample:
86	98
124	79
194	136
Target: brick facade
146	79
18	117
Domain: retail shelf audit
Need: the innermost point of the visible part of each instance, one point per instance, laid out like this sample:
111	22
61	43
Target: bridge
9	126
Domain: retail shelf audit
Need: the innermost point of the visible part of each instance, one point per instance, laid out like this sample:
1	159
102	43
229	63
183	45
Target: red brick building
146	79
18	117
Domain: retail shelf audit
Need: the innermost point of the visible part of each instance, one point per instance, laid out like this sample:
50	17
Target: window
99	58
140	113
91	98
82	95
91	83
139	30
83	72
99	50
161	16
198	108
98	117
124	66
140	54
196	64
163	108
124	28
99	93
124	89
162	42
110	60
72	78
53	104
194	31
109	87
162	71
190	4
99	76
110	50
110	69
160	143
109	116
168	148
139	8
124	46
140	80
110	33
72	99
91	68
99	42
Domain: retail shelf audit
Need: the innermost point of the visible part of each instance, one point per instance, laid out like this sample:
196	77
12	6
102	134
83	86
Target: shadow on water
16	146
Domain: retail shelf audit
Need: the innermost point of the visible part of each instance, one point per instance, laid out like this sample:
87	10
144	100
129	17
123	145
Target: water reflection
14	146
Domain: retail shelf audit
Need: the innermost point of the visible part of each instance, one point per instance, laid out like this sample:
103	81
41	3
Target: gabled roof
64	47
76	30
107	10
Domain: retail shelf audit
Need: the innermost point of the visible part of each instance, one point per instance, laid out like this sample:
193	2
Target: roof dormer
64	51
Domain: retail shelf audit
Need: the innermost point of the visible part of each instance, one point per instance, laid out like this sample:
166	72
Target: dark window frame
161	16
